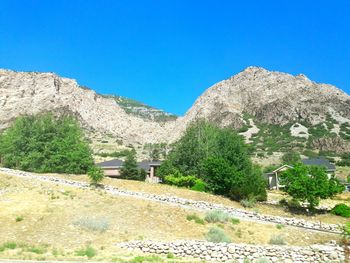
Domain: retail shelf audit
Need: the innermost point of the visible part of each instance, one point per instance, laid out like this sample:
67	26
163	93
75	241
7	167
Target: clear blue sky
166	53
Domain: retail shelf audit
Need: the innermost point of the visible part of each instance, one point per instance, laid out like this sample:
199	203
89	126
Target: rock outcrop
30	93
267	97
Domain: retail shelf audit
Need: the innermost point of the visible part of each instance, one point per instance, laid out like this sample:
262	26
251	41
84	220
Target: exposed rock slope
271	97
32	93
265	97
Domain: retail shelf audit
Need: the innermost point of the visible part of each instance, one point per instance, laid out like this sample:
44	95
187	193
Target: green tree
129	169
45	144
309	183
217	156
95	175
291	158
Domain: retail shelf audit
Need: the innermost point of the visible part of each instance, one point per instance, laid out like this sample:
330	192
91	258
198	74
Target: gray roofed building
112	168
330	167
111	163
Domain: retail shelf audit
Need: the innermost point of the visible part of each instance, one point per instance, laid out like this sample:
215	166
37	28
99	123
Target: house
273	177
112	168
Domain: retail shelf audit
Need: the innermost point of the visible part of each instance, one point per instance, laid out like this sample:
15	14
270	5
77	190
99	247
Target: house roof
116	163
320	162
147	164
111	163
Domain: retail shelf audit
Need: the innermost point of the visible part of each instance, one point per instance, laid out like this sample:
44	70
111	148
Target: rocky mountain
33	93
272	110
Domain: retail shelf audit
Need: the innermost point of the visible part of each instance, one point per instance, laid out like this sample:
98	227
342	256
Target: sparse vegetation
217	235
279	226
248	202
216	216
235	221
88	251
277	240
100	224
195	218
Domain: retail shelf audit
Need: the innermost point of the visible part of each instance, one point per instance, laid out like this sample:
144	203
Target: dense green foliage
130	171
341	210
45	144
291	158
345	160
117	154
217	156
185	181
309	183
95	175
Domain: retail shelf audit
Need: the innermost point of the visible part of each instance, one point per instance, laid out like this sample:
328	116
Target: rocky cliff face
33	93
270	97
265	97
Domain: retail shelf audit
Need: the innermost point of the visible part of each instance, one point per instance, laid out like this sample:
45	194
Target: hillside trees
219	157
130	170
45	144
309	183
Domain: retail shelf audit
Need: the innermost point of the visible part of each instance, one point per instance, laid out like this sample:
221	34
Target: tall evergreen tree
129	169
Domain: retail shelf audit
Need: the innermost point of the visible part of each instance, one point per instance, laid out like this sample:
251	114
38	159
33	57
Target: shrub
341	210
291	158
217	235
100	224
196	219
36	250
95	175
199	186
235	221
248	203
87	251
144	259
178	179
9	245
262	260
19	218
279	226
216	216
277	240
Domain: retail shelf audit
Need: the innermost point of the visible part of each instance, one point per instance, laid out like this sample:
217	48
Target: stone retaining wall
223	252
188	203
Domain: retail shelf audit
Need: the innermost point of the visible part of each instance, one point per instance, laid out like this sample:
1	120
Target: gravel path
186	203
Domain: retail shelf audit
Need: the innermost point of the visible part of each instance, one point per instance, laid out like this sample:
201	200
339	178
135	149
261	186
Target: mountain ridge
248	102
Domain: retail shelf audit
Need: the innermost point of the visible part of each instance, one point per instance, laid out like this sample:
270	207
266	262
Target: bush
277	240
199	186
262	260
88	251
95	175
19	218
341	210
291	158
182	181
235	221
217	235
196	219
216	216
9	245
279	226
100	224
248	203
45	144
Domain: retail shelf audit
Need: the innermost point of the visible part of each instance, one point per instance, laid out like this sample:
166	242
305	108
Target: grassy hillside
47	221
142	110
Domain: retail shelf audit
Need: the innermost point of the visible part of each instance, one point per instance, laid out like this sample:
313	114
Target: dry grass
49	212
162	189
